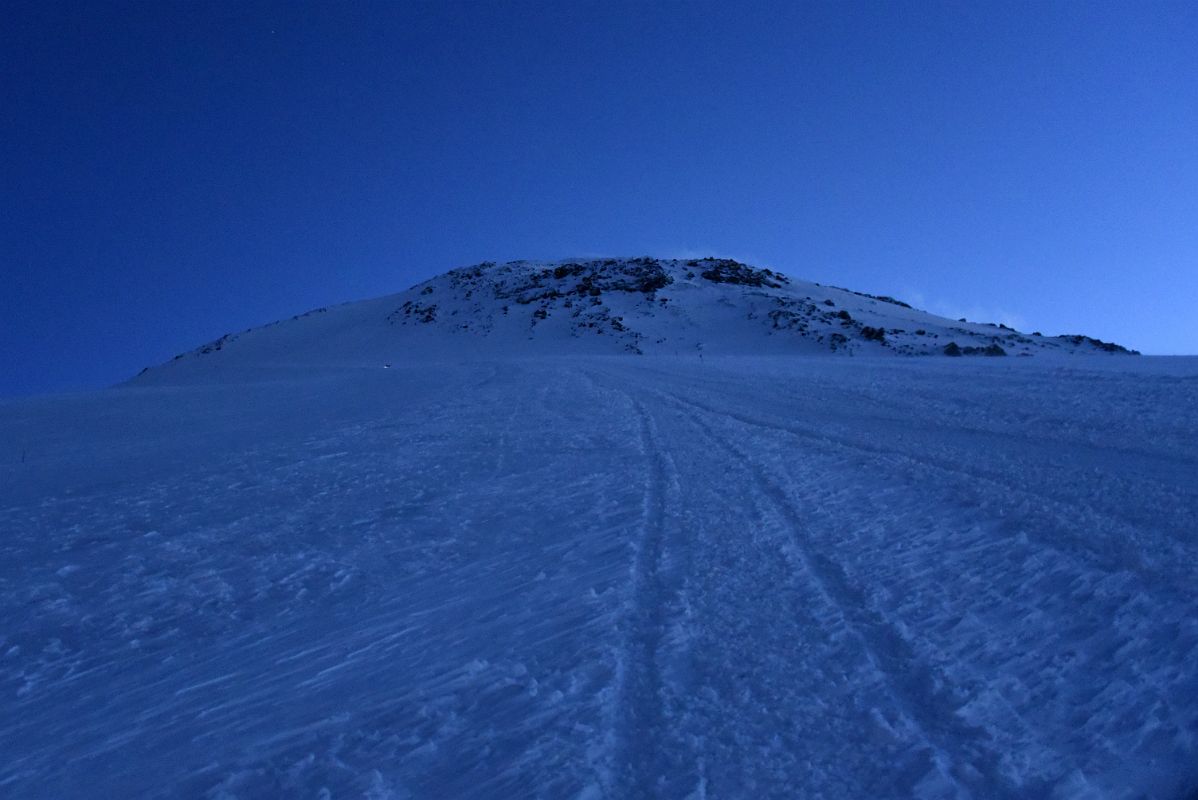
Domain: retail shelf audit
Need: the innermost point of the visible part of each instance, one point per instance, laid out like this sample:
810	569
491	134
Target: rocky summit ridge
620	306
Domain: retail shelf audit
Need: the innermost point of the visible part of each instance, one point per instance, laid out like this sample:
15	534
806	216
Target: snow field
607	577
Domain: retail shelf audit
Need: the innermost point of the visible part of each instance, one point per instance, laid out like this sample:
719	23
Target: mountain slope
606	575
603	577
611	306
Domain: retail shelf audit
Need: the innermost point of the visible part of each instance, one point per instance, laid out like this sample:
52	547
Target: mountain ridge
638	305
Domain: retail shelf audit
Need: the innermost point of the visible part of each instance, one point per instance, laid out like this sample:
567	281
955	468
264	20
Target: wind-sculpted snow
607	577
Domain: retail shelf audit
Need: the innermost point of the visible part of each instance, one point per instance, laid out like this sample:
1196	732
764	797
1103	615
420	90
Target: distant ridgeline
587	291
622	305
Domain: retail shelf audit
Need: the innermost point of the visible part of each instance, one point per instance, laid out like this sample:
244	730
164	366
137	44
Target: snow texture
603	576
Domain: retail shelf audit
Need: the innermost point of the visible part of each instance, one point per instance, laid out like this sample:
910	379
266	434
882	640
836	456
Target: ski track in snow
884	649
639	695
605	577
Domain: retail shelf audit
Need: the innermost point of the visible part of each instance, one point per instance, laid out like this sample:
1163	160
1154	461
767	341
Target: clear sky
175	171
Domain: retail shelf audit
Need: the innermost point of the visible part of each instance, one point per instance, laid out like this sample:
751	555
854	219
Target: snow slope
602	577
605	306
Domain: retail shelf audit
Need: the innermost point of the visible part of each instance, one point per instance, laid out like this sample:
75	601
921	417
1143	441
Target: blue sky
176	171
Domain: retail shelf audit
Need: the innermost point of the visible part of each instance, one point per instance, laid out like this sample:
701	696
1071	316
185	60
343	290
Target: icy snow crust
596	577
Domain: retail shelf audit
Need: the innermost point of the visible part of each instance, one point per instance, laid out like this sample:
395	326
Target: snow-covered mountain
525	563
607	306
